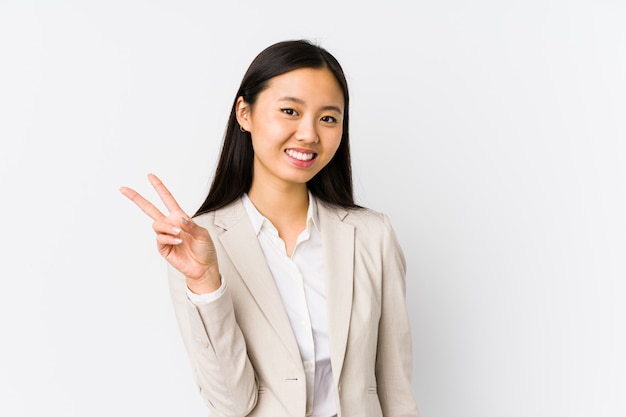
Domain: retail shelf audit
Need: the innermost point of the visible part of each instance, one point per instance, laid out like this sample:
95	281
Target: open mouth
301	156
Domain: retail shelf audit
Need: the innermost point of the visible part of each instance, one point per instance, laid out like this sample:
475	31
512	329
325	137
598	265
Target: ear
242	111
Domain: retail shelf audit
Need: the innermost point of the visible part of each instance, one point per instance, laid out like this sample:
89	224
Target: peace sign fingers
145	206
149	208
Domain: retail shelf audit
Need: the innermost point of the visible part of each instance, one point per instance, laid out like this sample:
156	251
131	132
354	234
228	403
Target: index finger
166	197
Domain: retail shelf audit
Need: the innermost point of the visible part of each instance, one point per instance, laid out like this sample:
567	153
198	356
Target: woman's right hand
185	245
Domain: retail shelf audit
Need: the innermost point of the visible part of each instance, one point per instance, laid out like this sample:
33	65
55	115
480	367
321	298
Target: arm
217	350
394	355
212	337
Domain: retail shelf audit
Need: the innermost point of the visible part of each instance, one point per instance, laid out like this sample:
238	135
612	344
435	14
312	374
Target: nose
306	132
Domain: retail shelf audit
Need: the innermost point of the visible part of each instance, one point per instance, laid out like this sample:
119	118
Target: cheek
330	152
266	136
335	142
270	133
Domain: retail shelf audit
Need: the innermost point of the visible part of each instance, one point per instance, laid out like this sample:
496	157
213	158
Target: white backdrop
492	133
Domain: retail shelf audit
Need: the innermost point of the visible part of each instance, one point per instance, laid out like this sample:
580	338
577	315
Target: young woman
290	298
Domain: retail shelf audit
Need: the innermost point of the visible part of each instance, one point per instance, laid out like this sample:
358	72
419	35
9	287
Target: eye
288	111
329	119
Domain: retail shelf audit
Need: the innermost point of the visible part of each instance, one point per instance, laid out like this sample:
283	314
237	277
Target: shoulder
367	216
374	239
223	218
206	220
364	219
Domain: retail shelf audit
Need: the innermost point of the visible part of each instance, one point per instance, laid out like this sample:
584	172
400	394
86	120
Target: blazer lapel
242	247
338	246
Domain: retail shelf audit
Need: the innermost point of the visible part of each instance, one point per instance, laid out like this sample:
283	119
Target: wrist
207	283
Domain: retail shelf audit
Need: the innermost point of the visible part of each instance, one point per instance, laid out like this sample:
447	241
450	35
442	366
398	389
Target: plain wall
492	133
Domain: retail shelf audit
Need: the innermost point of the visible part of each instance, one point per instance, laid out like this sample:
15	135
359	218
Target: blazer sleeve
217	350
394	354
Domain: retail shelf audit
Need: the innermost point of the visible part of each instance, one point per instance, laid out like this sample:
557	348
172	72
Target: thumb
186	223
189	226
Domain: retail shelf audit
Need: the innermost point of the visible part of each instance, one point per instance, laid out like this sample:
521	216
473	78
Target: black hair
233	175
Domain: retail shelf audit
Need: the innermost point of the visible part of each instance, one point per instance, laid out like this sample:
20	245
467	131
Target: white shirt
300	282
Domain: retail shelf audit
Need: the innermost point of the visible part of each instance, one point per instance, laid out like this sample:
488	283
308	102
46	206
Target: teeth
299	155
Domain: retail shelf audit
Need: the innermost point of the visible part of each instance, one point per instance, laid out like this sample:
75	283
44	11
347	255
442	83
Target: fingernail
184	220
175	230
178	241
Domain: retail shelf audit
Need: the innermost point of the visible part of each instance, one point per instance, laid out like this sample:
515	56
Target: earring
242	129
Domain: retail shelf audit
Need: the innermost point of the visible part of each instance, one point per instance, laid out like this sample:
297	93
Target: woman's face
296	125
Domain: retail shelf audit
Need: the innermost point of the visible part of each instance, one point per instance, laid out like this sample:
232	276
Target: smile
300	156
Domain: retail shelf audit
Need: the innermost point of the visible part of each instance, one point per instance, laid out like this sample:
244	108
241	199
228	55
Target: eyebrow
300	101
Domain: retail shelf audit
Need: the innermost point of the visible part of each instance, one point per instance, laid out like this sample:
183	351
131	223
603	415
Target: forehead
312	85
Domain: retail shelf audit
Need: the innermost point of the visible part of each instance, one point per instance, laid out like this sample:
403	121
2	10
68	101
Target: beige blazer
243	352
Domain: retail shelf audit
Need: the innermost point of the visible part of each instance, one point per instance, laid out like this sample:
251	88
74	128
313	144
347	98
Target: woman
290	298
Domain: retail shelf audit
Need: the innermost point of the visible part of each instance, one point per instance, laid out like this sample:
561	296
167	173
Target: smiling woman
289	296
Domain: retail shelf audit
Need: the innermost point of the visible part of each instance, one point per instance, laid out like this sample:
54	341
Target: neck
281	205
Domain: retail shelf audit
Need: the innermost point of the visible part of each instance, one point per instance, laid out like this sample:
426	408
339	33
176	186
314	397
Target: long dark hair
233	175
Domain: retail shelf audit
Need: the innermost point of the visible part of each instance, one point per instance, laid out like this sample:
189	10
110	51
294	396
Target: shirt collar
257	219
